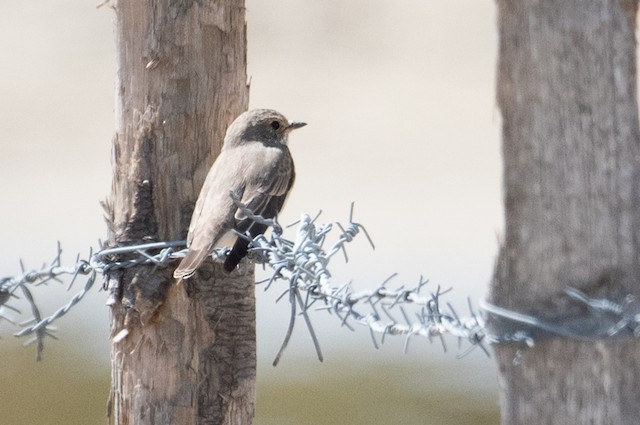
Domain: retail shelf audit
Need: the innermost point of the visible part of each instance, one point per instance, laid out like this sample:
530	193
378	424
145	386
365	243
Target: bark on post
567	92
189	357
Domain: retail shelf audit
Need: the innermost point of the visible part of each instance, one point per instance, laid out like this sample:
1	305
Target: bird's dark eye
275	125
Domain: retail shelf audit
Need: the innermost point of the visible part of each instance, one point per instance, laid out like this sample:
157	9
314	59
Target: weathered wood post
189	356
571	144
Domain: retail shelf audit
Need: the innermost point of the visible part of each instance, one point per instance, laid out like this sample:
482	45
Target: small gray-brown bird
255	164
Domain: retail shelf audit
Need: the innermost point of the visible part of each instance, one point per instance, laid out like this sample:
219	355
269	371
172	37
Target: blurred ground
68	388
399	97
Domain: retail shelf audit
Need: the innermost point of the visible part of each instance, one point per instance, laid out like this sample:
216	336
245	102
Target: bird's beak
295	125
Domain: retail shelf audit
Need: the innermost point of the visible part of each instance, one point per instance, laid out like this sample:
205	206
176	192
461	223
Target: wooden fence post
568	96
189	355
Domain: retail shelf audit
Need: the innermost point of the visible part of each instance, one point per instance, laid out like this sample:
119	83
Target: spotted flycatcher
254	164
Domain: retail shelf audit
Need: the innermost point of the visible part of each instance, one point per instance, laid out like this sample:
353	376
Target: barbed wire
304	264
407	311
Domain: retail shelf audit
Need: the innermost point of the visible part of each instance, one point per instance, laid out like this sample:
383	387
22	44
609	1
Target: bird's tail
241	247
237	253
190	263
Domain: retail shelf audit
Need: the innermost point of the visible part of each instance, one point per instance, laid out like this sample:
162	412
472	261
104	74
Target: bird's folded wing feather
214	205
265	199
260	194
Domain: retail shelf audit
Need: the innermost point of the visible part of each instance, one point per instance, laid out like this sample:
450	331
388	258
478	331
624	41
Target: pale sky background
399	98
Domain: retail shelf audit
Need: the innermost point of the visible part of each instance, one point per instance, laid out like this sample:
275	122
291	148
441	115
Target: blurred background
399	97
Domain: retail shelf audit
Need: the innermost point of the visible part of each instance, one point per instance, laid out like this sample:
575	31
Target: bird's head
262	125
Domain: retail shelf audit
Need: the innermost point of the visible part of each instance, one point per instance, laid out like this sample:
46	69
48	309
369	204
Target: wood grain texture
189	357
567	93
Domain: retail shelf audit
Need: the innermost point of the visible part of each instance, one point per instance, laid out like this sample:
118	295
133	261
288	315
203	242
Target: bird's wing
214	205
213	215
266	200
262	194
